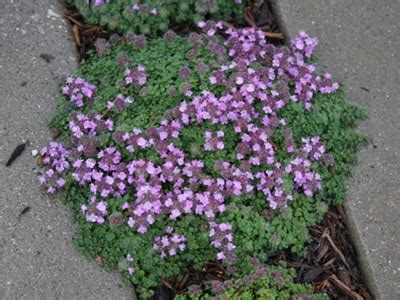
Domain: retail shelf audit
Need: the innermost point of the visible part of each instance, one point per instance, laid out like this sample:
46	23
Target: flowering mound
216	147
152	17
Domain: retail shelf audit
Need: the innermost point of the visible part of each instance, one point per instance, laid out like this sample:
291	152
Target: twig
331	261
168	285
74	21
337	250
250	20
274	35
183	281
341	211
227	24
80	24
341	285
77	37
98	29
105	113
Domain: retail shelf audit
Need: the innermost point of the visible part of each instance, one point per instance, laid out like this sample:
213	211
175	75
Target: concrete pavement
360	44
37	256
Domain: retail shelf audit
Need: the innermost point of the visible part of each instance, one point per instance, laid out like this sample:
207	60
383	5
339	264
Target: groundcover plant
152	17
218	146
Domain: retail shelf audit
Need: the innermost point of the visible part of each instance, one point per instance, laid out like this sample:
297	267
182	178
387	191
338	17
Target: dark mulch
331	265
84	34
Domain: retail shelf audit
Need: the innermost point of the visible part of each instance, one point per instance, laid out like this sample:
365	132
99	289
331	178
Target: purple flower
98	2
94	211
137	77
184	73
78	90
170	36
119	103
213	141
169	244
55	158
102	47
130	270
221	236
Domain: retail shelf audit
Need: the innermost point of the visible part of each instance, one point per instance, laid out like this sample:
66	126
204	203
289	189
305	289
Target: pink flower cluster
169	244
304	178
129	260
137	76
256	144
77	90
85	130
98	2
88	125
142	176
304	43
95	211
289	65
119	103
237	181
106	177
222	237
213	141
270	183
55	159
144	8
135	141
313	147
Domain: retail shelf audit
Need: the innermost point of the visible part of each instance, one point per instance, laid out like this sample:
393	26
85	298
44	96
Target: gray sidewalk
360	44
37	257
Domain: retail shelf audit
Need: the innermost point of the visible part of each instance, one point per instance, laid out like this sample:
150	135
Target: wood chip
323	250
100	261
182	283
345	276
55	133
39	160
312	274
337	250
76	34
344	288
330	262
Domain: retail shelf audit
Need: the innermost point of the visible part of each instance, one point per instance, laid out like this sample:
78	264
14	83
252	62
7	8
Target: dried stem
342	286
335	248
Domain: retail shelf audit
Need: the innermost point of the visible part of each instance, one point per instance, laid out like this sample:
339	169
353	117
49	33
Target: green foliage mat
259	231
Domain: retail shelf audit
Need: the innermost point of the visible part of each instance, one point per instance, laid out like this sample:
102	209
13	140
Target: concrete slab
360	44
37	257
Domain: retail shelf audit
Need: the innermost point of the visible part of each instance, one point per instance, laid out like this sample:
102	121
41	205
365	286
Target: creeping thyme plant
152	17
218	146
